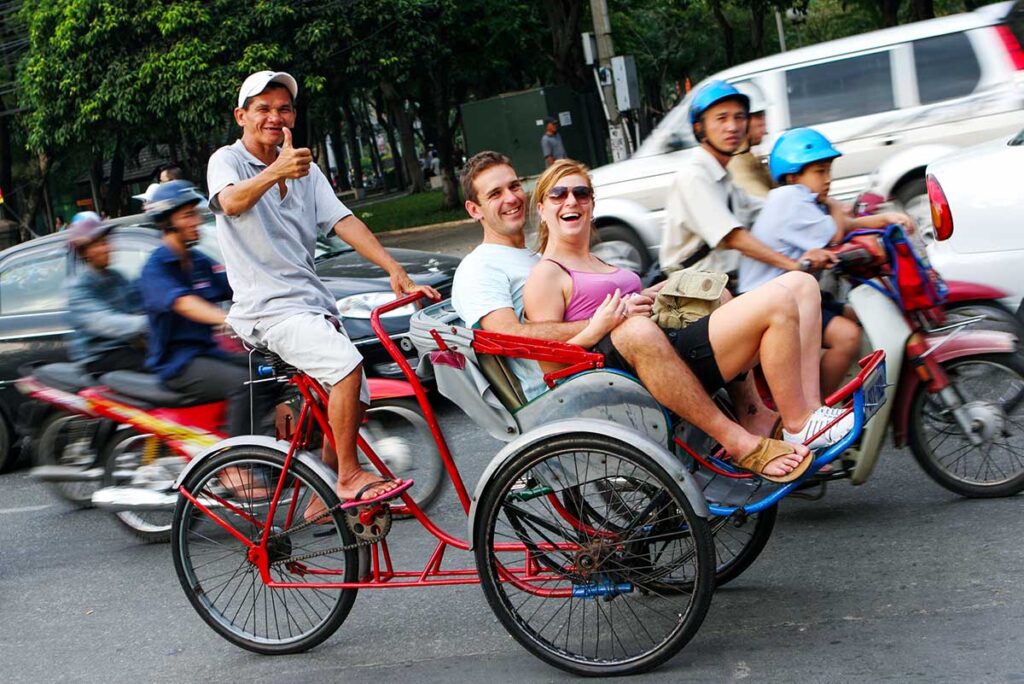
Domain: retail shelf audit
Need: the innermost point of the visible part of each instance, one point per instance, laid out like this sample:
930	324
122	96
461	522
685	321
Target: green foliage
407	211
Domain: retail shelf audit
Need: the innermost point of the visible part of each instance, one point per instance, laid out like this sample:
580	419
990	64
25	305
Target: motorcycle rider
104	308
707	216
180	287
799	216
745	167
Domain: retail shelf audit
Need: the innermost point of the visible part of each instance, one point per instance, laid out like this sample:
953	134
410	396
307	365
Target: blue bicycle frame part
860	418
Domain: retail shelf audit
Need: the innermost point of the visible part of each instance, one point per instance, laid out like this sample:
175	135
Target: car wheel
7	453
912	198
620	246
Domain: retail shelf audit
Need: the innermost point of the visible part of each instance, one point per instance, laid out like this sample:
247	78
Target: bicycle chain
367	540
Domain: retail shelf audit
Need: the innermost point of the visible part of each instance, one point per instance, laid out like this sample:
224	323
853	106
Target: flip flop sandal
766	451
358	499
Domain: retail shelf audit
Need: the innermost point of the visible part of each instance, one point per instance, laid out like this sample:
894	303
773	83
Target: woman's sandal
766	451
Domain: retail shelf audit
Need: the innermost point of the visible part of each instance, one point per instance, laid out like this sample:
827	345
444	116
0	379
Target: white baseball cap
258	82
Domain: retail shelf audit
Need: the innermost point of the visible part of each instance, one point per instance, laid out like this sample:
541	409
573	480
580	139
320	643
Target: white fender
591	426
329	476
893	169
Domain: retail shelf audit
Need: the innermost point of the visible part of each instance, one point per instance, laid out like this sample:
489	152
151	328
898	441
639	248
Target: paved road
893	581
458	240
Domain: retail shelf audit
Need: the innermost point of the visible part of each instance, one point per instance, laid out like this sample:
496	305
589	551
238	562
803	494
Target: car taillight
942	218
1012	46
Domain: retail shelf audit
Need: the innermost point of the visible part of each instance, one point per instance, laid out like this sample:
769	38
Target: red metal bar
421	397
217	519
708	464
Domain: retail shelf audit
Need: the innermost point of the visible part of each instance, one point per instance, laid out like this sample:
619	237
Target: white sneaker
818	420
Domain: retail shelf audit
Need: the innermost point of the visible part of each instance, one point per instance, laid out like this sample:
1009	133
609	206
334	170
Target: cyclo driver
271	202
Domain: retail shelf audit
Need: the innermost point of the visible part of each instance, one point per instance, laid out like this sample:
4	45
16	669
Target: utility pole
605	52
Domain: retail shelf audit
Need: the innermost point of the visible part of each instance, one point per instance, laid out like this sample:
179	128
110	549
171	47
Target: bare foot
244	483
784	465
350	484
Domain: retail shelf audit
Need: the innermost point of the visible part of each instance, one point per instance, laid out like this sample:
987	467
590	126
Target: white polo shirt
703	206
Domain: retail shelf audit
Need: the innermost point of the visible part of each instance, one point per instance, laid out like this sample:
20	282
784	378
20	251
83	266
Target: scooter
955	392
161	431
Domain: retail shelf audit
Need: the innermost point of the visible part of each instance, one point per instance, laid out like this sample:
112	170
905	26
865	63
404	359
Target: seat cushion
70	377
146	387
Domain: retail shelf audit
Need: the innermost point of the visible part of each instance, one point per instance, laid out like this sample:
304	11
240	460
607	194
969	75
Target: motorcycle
955	391
129	472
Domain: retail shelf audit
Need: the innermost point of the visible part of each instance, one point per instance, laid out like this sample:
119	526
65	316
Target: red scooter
128	470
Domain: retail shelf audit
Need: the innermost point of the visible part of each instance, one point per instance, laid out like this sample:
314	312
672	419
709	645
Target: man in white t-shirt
271	202
488	294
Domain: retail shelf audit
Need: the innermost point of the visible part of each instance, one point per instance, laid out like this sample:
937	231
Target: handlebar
397	303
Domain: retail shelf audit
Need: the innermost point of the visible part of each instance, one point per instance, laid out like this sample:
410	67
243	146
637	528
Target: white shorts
310	342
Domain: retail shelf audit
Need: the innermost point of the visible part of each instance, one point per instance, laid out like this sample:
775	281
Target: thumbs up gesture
291	162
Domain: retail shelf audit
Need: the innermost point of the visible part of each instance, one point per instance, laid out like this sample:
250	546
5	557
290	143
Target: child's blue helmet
797	148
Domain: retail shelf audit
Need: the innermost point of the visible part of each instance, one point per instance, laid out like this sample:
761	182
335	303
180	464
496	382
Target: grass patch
407	211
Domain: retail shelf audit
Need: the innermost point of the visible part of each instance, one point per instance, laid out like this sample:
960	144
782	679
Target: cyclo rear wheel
598	596
226	589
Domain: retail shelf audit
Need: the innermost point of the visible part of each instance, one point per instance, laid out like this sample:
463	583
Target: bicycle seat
70	377
145	390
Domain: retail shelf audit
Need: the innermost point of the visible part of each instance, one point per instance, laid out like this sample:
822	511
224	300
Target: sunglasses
560	193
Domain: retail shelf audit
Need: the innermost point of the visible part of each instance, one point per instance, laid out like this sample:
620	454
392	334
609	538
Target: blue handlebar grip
265	371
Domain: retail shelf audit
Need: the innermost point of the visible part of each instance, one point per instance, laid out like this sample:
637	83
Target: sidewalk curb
423	229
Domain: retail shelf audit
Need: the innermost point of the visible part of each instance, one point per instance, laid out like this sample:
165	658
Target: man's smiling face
500	204
268	113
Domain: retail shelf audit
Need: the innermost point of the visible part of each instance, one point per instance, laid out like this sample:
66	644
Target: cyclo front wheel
594	596
227	589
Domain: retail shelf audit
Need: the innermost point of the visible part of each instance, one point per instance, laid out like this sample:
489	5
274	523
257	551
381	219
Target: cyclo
590	530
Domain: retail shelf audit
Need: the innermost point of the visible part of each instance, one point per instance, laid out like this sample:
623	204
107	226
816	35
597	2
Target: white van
892	101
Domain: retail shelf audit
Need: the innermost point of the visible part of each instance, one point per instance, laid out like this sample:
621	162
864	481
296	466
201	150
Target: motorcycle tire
997	316
999	409
66	439
123	454
400	435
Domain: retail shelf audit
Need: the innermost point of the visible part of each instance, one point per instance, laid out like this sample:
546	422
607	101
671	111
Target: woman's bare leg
804	287
765	322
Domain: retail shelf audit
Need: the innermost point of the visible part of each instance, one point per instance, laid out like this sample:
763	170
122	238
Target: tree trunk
355	157
407	136
10	206
437	112
115	182
922	9
35	196
338	144
370	136
389	130
889	11
96	181
566	46
757	17
727	36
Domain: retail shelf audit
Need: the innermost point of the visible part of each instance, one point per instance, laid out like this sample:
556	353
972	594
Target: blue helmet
797	148
170	196
711	94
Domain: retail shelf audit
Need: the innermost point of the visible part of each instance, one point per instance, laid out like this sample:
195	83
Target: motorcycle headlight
360	305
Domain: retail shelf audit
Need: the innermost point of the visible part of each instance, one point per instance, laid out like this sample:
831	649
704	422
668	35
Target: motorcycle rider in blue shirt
180	287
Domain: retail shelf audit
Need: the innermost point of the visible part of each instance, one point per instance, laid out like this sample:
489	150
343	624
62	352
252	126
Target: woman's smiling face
568	207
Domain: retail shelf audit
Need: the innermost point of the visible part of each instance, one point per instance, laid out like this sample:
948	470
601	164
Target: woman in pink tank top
770	325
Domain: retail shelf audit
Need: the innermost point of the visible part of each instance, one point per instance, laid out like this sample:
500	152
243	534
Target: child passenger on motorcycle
800	218
778	324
